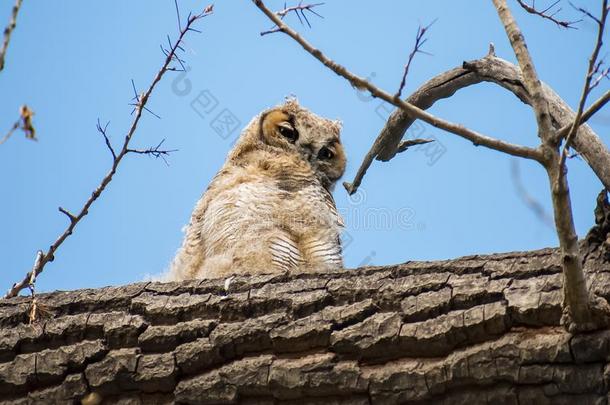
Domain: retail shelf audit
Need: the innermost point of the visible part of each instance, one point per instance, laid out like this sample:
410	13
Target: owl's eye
325	154
289	133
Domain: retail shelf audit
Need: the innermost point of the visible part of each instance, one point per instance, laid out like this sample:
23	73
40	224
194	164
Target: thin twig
361	84
140	107
592	69
106	139
299	10
155	151
586	115
419	42
544	14
10	132
8	31
530	77
586	13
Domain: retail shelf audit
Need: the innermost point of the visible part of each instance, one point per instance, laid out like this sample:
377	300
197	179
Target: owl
270	209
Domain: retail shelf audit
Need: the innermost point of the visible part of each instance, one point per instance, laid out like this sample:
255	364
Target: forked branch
362	84
548	13
590	81
420	40
300	11
580	311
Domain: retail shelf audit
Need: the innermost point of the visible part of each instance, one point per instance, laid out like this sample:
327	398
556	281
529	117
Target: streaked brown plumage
270	209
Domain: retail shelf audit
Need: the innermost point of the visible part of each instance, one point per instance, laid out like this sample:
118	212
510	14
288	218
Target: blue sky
73	62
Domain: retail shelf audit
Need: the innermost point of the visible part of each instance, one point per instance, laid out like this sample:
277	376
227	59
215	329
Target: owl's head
292	127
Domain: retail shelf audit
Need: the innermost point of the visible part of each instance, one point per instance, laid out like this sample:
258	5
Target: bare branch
502	73
10	132
587	13
601	75
419	42
580	312
140	106
530	77
595	107
361	84
178	15
106	139
352	187
70	216
545	14
404	145
8	31
591	71
299	10
155	152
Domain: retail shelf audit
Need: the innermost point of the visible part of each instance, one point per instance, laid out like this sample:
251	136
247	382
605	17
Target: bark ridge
470	330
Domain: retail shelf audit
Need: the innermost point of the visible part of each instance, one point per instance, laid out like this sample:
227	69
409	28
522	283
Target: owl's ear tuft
336	126
291	100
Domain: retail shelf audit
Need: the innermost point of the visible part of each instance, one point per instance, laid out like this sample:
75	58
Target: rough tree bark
469	330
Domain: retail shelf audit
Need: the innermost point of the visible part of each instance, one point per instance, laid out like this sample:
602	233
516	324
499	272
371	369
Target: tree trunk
470	330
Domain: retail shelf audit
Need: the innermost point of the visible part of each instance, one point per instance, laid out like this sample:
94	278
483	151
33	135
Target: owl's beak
308	152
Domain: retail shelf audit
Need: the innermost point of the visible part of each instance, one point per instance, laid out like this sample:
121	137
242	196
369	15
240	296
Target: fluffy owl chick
269	209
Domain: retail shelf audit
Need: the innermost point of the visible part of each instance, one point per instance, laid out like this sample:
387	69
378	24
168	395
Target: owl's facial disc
327	157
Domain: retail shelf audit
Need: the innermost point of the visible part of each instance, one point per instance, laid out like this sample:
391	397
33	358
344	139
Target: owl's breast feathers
267	209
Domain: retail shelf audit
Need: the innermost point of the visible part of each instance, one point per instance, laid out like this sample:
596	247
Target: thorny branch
136	97
299	10
419	42
545	13
24	123
155	151
140	106
8	31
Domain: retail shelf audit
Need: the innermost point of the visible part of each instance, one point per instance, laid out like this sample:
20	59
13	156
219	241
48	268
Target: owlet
269	209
